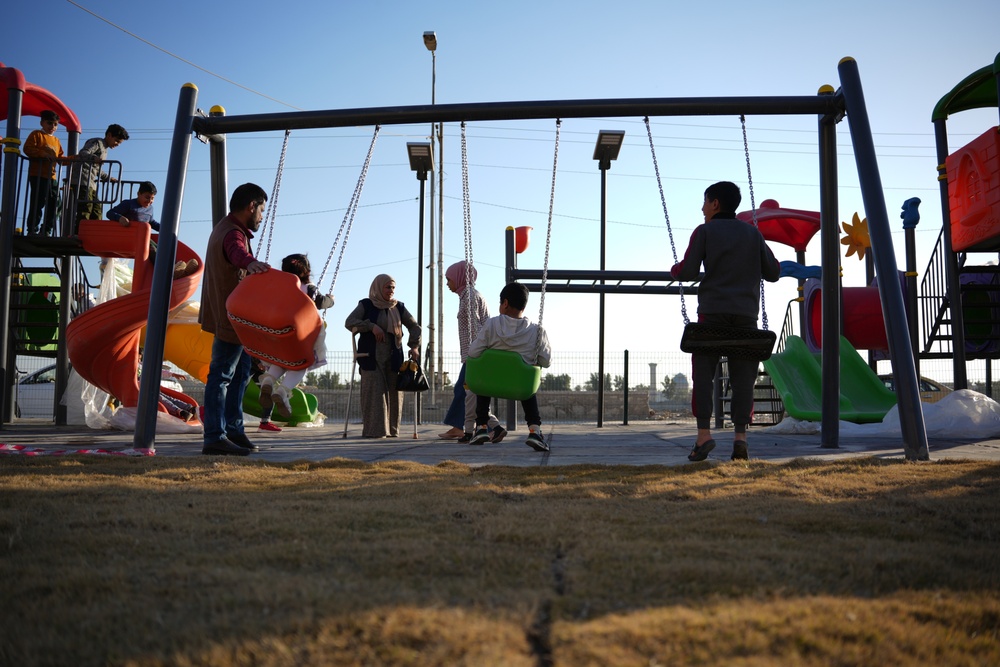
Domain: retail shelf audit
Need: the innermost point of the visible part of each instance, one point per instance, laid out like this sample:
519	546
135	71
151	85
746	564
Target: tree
592	383
619	383
327	380
676	387
556	382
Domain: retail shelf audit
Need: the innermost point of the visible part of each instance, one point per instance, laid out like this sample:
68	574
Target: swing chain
753	211
348	222
467	230
548	232
548	241
666	215
272	205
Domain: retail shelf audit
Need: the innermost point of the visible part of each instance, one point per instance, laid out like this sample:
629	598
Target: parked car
931	391
36	392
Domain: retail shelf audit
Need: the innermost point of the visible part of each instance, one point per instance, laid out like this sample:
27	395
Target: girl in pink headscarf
461	415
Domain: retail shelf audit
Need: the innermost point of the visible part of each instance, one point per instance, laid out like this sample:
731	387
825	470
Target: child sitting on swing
278	381
511	330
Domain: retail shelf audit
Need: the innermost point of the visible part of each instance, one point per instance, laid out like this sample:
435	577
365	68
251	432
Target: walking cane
354	367
415	394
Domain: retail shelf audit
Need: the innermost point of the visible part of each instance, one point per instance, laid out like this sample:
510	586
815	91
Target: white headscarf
394	325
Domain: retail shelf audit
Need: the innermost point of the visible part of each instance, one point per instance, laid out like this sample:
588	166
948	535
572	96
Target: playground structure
829	105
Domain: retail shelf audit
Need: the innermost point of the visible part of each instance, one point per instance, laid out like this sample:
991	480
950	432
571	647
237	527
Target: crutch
354	366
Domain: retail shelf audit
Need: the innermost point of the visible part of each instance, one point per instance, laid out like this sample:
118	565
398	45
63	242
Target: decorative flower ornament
856	237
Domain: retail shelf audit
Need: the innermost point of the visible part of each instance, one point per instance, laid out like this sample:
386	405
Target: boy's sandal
700	452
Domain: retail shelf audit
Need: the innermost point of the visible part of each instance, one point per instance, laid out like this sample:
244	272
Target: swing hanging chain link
348	221
753	212
666	216
548	238
271	214
467	231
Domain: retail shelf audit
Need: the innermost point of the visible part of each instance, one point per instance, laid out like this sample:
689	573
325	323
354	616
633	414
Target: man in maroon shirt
227	259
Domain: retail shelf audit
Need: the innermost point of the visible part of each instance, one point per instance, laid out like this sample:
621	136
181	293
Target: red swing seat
275	321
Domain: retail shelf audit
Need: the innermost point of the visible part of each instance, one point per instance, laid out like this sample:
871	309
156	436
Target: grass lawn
200	561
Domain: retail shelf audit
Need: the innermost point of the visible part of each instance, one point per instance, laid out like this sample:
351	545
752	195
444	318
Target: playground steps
34	310
768	408
980	294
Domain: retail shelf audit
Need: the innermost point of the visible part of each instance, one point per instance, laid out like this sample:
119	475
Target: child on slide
277	383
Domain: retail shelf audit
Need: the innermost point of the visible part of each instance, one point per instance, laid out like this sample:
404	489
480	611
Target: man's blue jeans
228	376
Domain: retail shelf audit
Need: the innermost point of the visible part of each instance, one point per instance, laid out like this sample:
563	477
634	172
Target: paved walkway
642	443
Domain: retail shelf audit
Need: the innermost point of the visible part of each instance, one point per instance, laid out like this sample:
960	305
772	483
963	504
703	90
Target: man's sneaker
536	441
269	426
242	440
481	437
498	434
740	452
467	438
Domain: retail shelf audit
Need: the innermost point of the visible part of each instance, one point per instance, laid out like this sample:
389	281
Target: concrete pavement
641	443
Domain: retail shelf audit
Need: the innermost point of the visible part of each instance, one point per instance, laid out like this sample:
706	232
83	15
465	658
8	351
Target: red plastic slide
103	342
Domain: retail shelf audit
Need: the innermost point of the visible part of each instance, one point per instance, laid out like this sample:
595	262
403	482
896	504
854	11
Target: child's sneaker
481	437
498	434
467	438
269	426
265	399
281	401
536	441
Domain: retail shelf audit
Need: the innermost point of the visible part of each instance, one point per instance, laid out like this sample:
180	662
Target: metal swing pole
911	416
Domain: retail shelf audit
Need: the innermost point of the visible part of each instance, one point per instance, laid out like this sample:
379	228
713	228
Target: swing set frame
829	106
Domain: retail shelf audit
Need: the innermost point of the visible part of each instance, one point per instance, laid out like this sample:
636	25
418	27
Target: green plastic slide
304	406
796	374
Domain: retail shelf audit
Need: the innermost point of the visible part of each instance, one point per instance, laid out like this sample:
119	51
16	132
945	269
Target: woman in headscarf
461	415
380	320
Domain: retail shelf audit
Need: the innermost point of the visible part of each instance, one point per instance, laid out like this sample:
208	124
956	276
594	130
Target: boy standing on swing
511	330
736	258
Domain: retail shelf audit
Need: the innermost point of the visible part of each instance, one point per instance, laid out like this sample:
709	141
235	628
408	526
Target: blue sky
251	58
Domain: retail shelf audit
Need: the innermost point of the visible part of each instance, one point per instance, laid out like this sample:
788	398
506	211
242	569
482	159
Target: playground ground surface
393	554
638	443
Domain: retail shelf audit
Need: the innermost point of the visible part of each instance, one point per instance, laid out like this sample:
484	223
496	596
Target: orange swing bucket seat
275	321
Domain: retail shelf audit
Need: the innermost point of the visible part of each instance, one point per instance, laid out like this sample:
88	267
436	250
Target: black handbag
732	342
410	377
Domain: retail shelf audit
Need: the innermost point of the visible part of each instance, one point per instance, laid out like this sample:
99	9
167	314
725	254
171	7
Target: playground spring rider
503	373
732	342
284	331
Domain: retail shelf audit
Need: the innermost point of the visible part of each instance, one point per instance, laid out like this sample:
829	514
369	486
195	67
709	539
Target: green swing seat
502	374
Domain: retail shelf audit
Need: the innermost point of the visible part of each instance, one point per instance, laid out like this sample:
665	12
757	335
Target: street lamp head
421	158
609	142
430	40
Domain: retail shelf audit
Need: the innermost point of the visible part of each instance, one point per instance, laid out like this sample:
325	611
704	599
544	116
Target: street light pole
609	142
421	161
433	370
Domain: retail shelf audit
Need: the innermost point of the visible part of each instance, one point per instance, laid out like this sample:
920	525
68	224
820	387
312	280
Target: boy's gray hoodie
516	334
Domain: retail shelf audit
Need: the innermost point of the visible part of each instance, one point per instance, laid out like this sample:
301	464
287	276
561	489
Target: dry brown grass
173	561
